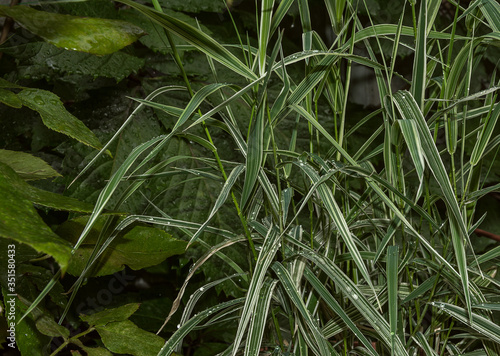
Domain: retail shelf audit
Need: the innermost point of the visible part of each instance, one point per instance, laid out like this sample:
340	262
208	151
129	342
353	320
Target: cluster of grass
364	249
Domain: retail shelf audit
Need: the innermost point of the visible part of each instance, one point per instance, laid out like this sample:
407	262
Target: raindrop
39	100
202	289
178	326
355	297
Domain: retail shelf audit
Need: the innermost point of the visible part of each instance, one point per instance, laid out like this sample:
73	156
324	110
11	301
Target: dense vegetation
251	178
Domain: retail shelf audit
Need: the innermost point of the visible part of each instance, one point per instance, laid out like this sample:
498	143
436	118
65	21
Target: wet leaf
139	248
6	84
27	166
111	315
42	60
55	116
20	221
27	338
125	337
42	197
47	326
85	34
196	5
9	98
96	351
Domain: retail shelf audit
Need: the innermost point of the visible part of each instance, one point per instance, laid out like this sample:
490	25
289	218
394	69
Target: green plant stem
70	340
178	61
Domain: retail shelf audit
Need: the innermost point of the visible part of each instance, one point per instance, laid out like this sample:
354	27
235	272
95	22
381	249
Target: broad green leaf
28	340
41	60
20	222
6	84
111	315
92	35
196	6
42	197
47	326
139	248
9	98
96	351
124	337
27	166
55	116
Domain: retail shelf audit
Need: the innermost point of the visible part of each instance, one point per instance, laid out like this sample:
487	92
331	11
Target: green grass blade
194	36
337	308
484	136
357	298
432	12
487	306
420	290
337	217
291	290
479	323
424	344
488	256
112	185
257	326
408	109
41	295
491	10
392	288
266	14
184	330
411	136
255	154
279	14
420	61
335	11
266	256
118	132
224	193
